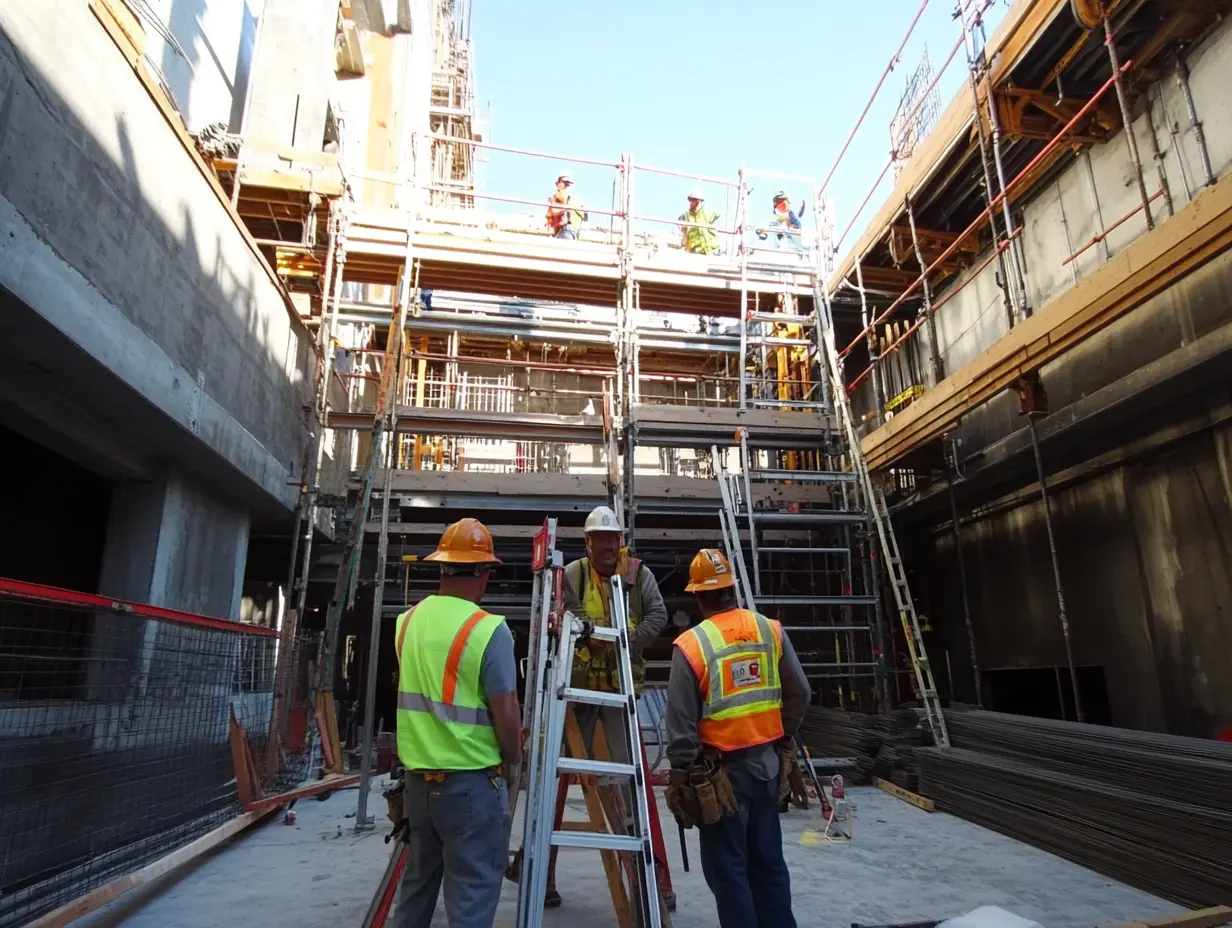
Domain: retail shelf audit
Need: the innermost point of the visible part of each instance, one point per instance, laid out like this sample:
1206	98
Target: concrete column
172	543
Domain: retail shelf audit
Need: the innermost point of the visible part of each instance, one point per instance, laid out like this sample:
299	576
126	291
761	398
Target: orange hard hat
465	542
710	571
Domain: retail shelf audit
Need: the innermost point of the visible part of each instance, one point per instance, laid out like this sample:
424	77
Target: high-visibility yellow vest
595	670
735	657
701	239
443	720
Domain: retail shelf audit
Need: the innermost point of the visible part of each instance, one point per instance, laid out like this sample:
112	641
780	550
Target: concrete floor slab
903	864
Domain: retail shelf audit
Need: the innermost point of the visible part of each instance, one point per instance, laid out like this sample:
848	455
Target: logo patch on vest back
746	672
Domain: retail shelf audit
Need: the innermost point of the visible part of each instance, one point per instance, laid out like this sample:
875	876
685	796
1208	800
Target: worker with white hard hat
736	696
565	214
697	234
595	667
459	737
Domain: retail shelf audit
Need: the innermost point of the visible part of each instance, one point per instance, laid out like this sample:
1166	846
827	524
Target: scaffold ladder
879	514
636	899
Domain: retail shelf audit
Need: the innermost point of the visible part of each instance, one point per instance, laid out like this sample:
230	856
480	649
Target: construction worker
565	214
785	223
735	698
594	666
697	235
459	733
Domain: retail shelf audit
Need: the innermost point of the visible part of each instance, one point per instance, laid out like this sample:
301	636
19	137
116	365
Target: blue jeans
459	833
566	233
742	858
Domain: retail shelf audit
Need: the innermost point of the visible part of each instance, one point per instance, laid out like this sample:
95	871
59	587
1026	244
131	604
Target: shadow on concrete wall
214	319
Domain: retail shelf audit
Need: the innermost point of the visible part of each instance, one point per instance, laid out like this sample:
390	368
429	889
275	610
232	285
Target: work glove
681	798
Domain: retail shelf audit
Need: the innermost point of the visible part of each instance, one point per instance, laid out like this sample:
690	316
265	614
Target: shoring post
1013	287
1126	118
879	397
926	292
951	470
1056	566
1182	79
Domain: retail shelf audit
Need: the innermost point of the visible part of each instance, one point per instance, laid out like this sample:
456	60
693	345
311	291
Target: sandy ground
903	865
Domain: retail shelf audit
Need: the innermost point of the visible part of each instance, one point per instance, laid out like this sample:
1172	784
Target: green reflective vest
701	240
443	720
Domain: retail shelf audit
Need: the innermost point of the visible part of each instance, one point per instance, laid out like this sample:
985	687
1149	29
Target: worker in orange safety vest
735	697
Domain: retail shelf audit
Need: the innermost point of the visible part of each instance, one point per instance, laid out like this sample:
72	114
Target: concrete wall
1095	190
136	296
1143	515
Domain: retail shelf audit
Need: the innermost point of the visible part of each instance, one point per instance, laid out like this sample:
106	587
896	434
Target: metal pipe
1099	210
1101	236
879	396
1158	156
517	201
926	291
945	255
1069	242
1130	139
700	178
1056	567
473	143
1182	78
1003	280
1019	288
950	471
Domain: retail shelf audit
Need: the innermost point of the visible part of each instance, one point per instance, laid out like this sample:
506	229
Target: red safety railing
127	730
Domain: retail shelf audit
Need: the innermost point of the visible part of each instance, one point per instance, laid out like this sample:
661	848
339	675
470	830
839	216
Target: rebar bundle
883	745
1154	811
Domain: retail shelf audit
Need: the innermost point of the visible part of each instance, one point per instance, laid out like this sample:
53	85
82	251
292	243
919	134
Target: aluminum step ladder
553	707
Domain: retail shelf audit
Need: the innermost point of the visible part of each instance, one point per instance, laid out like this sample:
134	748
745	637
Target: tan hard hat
467	541
710	571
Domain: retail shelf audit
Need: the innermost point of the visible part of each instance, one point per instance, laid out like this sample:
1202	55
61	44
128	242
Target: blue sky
700	87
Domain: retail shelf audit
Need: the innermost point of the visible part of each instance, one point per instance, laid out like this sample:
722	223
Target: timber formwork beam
1195	235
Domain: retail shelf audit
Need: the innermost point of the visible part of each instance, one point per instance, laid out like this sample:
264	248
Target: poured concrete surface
903	865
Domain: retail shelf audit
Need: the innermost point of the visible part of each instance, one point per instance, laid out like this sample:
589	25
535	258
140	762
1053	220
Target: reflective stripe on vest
597	670
443	719
738	674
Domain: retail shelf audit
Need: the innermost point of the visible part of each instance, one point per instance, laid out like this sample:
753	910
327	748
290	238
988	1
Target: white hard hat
567	178
602	519
696	194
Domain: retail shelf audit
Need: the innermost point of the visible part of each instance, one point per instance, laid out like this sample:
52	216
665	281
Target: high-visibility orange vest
735	656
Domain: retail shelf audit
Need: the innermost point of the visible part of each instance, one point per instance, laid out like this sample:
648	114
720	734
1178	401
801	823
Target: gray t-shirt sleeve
796	692
654	613
684	710
498	674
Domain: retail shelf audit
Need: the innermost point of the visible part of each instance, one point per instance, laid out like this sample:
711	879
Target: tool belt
440	776
700	794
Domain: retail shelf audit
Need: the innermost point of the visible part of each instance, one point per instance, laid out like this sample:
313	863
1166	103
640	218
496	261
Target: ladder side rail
754	555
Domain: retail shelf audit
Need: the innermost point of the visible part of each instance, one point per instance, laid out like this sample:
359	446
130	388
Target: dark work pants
459	836
742	858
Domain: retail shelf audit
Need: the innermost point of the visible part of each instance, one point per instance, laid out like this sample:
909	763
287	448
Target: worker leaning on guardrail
735	696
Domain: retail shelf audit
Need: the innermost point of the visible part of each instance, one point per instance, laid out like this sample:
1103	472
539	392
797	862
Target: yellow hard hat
467	541
710	571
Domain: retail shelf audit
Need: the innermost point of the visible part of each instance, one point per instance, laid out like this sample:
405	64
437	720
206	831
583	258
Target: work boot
551	899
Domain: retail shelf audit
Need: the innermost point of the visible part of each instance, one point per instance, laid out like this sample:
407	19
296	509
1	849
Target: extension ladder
879	515
553	719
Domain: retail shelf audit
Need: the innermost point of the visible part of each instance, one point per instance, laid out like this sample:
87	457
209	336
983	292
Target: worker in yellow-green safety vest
594	666
697	226
459	734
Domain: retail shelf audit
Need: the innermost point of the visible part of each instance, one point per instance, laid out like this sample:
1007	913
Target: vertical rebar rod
951	469
742	244
926	293
1056	567
1003	271
879	394
1130	139
1158	156
1182	78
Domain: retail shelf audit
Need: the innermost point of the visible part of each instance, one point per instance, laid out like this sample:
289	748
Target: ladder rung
778	340
594	768
761	550
789	404
781	317
770	515
816	600
604	633
804	476
595	697
598	842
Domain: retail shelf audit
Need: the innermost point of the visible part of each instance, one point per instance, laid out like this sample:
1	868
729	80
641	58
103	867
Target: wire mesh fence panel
116	735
